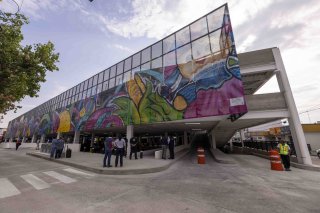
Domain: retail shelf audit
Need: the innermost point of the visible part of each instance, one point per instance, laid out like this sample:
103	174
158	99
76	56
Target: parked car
318	152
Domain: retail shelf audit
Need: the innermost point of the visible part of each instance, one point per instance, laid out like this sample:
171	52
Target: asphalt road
29	184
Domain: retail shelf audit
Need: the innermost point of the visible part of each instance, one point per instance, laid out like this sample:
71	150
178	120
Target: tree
22	68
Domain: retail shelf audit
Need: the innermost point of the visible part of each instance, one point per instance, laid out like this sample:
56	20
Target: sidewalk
93	162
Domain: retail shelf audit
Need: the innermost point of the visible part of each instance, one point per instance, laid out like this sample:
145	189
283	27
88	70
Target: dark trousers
17	145
286	161
171	150
58	153
133	150
119	154
107	155
53	152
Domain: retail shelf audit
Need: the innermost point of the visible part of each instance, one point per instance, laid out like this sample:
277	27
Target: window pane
157	50
90	82
127	76
119	80
184	54
157	63
134	70
88	92
120	68
215	41
94	90
145	55
145	66
215	19
201	47
183	36
136	60
86	85
99	88
168	44
78	88
106	74
105	85
169	59
95	80
127	64
113	71
81	86
100	77
111	83
199	28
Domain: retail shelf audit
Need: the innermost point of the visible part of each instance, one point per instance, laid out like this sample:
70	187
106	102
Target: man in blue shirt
107	151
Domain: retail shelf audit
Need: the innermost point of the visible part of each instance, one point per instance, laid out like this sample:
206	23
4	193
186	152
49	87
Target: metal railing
264	145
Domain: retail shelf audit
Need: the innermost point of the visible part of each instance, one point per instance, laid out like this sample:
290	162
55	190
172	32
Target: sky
92	36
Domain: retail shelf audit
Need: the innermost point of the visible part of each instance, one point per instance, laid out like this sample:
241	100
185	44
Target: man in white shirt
119	146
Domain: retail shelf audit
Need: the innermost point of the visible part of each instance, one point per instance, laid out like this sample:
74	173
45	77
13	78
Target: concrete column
34	138
24	139
58	135
76	137
129	136
92	140
242	137
213	140
42	138
185	138
10	140
231	146
299	140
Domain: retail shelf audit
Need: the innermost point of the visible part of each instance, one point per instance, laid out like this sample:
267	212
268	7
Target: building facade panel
190	74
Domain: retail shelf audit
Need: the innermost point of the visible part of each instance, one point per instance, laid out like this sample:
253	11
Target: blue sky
93	36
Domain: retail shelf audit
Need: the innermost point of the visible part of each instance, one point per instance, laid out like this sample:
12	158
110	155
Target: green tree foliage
22	68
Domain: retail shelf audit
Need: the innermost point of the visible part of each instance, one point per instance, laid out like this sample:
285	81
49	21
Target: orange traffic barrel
201	159
200	150
275	160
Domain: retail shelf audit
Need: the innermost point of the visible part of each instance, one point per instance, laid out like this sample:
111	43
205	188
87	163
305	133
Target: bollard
275	160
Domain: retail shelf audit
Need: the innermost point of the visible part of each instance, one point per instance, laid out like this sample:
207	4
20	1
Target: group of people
120	146
167	142
57	146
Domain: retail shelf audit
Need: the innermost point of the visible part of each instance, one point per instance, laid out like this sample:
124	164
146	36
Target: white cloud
121	47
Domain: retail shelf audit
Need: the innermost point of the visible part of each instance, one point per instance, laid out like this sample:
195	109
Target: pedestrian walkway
94	162
12	186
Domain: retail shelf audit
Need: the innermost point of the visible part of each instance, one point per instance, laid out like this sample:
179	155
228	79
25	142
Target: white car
318	152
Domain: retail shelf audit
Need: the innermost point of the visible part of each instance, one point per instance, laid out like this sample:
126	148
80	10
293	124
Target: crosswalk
39	180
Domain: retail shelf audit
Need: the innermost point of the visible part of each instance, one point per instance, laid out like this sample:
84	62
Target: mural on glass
190	74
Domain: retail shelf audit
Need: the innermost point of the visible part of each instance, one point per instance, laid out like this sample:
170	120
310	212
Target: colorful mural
204	81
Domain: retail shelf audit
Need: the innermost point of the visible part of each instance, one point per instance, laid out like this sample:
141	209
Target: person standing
164	145
125	147
54	145
119	145
284	151
18	143
38	144
60	146
134	147
171	147
107	151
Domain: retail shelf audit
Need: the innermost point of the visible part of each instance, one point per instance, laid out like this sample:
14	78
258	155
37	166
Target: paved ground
247	186
94	161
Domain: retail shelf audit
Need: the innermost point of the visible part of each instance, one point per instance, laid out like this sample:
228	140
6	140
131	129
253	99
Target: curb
111	172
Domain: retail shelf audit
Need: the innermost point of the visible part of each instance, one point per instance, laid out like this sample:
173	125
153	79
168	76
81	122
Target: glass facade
191	73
